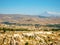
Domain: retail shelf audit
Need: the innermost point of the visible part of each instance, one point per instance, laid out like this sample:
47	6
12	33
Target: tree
37	26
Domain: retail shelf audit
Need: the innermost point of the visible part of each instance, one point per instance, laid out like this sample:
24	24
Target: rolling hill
29	19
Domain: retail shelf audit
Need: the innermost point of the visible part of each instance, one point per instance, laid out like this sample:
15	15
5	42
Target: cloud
54	13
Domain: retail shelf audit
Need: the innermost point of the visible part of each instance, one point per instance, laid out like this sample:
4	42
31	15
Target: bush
26	43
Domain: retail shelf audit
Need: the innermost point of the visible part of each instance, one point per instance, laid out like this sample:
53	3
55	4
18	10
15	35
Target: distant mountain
50	14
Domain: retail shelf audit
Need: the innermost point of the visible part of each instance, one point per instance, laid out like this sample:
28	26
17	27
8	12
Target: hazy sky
29	6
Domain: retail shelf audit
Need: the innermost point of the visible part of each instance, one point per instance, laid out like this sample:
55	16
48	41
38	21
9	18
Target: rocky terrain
30	38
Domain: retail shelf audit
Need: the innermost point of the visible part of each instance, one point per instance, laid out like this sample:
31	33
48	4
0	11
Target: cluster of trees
53	25
9	23
55	29
10	29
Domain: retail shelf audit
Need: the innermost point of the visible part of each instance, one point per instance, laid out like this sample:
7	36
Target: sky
30	7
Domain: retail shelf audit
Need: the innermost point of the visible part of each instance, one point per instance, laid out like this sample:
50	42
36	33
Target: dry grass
31	37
